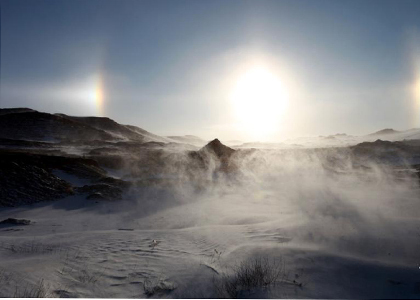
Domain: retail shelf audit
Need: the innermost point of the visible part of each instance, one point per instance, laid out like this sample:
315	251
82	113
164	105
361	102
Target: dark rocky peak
216	147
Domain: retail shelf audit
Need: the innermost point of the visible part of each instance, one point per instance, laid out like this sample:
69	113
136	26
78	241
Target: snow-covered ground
342	233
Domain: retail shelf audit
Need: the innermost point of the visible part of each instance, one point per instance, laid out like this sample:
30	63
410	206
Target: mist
323	202
327	199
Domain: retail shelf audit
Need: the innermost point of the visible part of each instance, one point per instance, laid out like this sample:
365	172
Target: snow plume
328	198
342	202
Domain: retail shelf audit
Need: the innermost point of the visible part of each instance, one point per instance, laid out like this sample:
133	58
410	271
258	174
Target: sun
259	101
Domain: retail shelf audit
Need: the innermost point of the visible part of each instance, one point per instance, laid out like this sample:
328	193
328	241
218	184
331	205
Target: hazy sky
170	66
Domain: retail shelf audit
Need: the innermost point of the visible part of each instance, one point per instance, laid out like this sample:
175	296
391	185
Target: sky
214	68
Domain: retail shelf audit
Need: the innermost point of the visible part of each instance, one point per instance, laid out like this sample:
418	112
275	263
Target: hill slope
28	124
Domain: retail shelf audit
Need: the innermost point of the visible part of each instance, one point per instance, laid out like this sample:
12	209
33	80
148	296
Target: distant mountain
385	132
394	135
336	140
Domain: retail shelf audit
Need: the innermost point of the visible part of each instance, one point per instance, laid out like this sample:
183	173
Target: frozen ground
341	231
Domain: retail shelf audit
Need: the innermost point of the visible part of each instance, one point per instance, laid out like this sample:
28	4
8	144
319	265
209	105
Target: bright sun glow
259	100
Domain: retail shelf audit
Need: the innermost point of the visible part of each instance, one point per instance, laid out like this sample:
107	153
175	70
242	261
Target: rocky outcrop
23	183
27	178
214	155
106	188
101	191
386	152
13	221
217	148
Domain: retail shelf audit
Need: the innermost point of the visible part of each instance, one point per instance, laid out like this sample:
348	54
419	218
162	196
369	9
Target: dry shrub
157	286
35	248
254	274
39	290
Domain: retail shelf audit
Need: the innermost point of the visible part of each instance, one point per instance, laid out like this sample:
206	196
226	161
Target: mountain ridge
28	124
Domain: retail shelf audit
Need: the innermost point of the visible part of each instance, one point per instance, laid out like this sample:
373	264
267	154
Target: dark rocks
27	178
82	167
101	191
214	155
397	153
64	294
13	221
115	162
380	149
115	182
106	188
23	183
217	148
